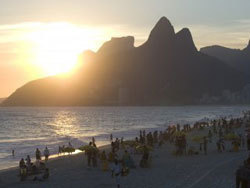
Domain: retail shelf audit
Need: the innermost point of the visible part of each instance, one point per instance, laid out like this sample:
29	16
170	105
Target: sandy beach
124	94
167	171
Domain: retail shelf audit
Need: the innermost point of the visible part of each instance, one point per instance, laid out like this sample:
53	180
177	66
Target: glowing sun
57	46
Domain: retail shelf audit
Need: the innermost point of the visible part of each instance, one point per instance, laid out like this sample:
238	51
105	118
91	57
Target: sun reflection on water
64	124
69	124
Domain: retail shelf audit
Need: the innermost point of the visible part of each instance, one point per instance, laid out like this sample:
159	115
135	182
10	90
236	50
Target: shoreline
58	157
167	169
60	135
79	106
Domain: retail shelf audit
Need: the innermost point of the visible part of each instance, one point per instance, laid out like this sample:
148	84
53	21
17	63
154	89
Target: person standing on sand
28	162
22	163
46	154
23	169
88	152
38	154
13	153
116	171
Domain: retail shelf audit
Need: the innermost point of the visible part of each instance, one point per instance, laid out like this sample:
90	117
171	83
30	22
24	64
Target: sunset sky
39	38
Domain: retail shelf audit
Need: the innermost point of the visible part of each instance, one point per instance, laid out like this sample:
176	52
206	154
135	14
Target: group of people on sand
243	172
120	158
66	149
92	154
46	154
222	128
121	155
29	168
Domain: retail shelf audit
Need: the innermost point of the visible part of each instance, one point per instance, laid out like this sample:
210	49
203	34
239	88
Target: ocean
26	128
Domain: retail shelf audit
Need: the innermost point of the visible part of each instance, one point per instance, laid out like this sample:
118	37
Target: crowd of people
29	168
243	172
120	157
145	142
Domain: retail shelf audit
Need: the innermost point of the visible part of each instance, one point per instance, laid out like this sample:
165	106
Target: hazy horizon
32	41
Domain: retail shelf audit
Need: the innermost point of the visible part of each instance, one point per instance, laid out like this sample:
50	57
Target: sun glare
57	46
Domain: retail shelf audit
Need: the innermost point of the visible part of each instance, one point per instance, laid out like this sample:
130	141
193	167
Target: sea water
24	129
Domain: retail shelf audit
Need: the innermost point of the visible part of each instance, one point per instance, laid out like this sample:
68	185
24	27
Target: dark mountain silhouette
117	45
166	69
238	59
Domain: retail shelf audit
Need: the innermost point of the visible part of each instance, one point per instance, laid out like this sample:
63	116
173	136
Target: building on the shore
228	97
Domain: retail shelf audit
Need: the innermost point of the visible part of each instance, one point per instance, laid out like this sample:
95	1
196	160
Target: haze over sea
25	129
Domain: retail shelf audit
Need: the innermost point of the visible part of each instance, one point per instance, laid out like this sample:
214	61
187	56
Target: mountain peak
185	31
163	21
117	44
185	40
163	31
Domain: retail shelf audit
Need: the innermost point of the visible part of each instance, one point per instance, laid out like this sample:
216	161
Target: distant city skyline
27	27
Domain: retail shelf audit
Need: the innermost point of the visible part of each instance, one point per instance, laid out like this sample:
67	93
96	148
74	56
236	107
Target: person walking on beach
13	153
38	154
88	152
46	154
116	172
